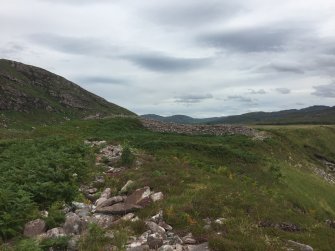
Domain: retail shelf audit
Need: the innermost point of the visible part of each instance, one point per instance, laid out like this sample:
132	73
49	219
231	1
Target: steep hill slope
30	90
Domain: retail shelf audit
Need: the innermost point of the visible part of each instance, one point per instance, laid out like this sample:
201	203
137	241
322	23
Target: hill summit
29	89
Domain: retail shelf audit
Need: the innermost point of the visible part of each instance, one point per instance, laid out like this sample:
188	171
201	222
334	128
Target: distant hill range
26	89
309	115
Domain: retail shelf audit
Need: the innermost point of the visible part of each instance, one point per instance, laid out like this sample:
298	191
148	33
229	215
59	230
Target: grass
234	177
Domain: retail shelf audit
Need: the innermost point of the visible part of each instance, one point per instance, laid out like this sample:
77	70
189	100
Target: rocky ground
108	210
217	130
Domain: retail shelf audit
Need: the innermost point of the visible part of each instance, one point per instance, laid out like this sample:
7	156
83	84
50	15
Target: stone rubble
217	130
107	210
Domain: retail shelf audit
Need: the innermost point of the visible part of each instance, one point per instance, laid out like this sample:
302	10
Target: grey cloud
239	98
72	45
192	98
283	90
190	13
101	80
325	91
161	63
283	68
260	39
77	2
260	91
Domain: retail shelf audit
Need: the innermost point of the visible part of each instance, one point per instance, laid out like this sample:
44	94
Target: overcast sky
196	57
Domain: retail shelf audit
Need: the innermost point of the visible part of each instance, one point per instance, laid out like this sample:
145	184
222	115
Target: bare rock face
112	201
34	228
140	197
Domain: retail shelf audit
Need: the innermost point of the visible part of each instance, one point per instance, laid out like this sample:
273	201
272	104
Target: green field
247	182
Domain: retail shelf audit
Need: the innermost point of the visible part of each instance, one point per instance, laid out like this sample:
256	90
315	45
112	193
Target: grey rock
104	221
166	248
188	239
55	232
111	201
300	246
126	187
139	197
155	227
34	228
118	209
201	247
73	224
157	196
155	241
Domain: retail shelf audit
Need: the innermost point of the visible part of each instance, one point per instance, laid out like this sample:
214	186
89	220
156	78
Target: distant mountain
27	89
309	115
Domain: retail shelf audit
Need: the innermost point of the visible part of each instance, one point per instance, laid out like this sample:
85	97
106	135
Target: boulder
106	193
118	209
55	232
34	228
73	224
111	201
140	197
164	225
157	196
188	239
155	241
155	227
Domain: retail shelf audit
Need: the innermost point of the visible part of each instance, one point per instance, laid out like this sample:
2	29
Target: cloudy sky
195	57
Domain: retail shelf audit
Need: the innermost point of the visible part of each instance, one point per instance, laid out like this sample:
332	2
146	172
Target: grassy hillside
31	92
267	191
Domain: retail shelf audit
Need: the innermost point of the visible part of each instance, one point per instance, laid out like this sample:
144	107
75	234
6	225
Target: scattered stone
220	221
300	246
157	196
34	228
126	187
217	130
73	224
111	201
117	209
166	248
164	225
140	197
155	228
73	243
111	153
106	193
188	239
95	143
102	220
78	205
201	247
330	223
92	190
155	241
158	217
55	232
128	217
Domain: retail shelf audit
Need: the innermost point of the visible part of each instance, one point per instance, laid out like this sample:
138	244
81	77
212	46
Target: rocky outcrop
217	130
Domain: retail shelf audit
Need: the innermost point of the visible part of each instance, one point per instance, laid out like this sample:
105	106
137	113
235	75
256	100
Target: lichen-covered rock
34	228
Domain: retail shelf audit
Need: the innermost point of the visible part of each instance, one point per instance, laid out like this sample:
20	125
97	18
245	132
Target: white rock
157	196
127	186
